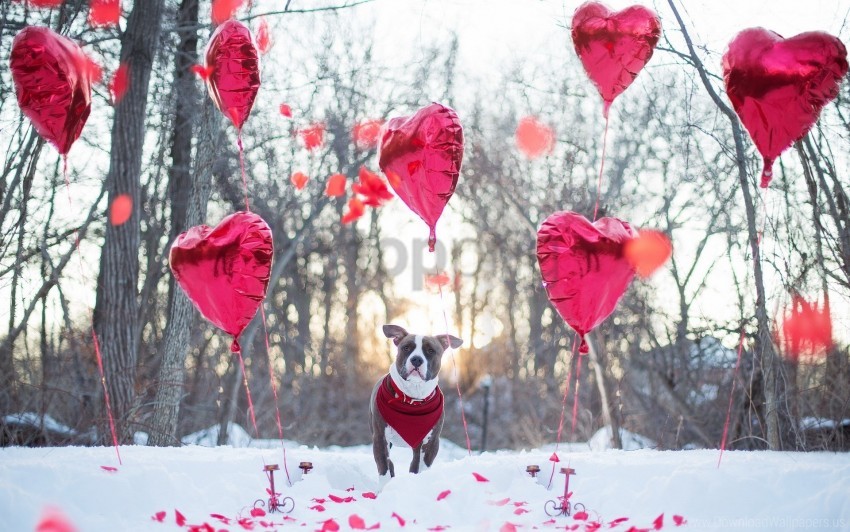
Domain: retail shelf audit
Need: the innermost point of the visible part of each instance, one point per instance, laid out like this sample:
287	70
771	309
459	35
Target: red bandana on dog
412	418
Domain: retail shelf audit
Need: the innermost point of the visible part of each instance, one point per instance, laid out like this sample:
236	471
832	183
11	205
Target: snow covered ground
163	489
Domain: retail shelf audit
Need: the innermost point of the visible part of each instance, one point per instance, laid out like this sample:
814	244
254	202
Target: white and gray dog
407	403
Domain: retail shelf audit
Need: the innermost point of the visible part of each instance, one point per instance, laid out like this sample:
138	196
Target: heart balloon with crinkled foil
779	86
614	46
234	70
421	157
584	267
225	270
53	84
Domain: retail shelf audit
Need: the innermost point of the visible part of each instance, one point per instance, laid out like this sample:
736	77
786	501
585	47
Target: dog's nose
416	361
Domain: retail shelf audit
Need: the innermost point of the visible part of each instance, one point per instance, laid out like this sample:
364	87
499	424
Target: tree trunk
188	197
116	310
609	420
773	386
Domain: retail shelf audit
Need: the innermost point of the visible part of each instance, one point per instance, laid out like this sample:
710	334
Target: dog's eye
429	351
408	347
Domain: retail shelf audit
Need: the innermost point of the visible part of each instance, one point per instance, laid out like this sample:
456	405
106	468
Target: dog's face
419	356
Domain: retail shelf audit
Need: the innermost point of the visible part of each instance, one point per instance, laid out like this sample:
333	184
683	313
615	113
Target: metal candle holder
275	504
563	507
305	467
533	470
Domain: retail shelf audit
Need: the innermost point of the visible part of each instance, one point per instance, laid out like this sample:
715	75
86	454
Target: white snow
750	490
34	420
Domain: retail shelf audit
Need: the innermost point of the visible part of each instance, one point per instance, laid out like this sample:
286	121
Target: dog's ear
448	340
395	332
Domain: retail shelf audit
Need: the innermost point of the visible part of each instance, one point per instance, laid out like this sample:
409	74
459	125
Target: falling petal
286	110
534	138
648	252
120	81
224	9
299	179
264	43
121	209
104	13
365	134
336	185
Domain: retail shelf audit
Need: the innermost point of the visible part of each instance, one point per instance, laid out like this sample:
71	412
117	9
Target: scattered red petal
658	524
365	134
206	527
372	188
592	526
286	110
224	9
508	527
120	81
580	516
202	72
357	523
336	185
636	529
480	478
520	503
443	495
91	68
317	507
549	522
257	512
369	495
221	518
807	329
313	136
121	209
246	523
438	528
264	42
109	469
678	520
554	458
399	518
520	511
356	208
179	518
329	526
534	138
335	498
159	516
52	520
320	501
648	252
299	179
617	522
501	502
104	13
349	490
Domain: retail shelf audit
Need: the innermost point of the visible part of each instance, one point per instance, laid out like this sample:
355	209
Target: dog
407	403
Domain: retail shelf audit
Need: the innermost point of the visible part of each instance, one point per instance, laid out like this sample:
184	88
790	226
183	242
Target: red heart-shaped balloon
584	268
779	86
225	270
233	61
421	156
614	45
53	84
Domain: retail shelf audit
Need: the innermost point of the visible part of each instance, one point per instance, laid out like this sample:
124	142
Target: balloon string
242	167
575	398
731	395
601	168
457	379
563	406
97	352
274	393
248	393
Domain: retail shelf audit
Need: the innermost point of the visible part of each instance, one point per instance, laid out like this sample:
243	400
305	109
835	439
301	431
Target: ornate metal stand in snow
563	507
275	502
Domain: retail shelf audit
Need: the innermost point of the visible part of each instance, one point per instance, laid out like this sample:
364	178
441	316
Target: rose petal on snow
54	521
368	495
500	502
329	526
443	495
398	518
257	512
617	521
508	527
580	516
179	518
109	469
480	478
678	520
658	524
159	516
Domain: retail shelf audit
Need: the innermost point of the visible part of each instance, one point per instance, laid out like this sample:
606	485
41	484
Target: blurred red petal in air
299	179
104	13
93	69
648	252
807	329
286	110
365	134
264	42
224	9
41	3
534	138
436	281
119	83
372	188
52	520
313	136
121	209
336	185
202	71
356	208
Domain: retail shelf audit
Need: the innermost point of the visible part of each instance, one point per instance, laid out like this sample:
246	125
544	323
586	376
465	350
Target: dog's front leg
417	459
382	455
